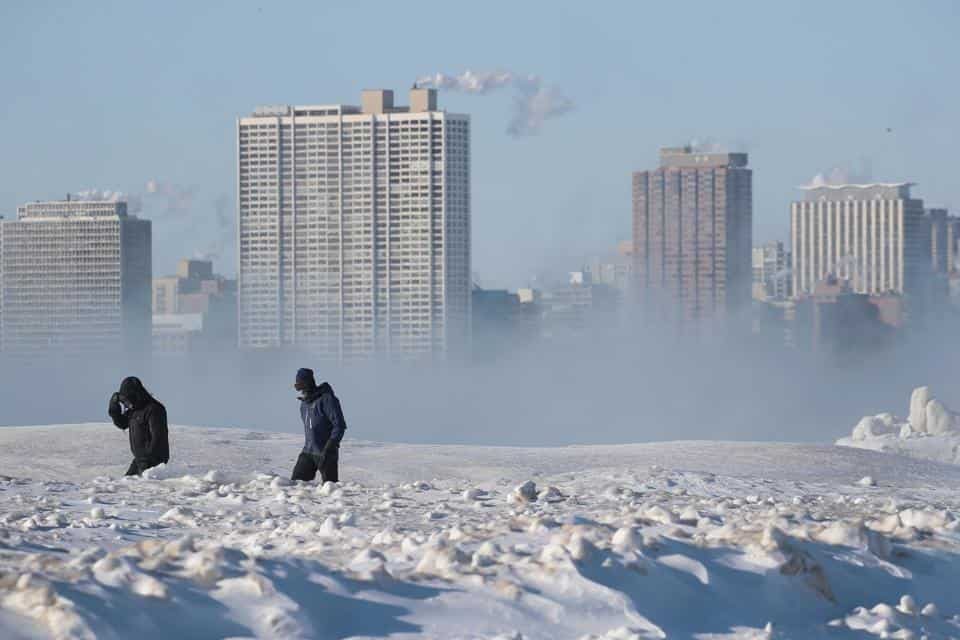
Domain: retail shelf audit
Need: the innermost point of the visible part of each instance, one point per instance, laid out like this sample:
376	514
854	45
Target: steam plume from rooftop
534	102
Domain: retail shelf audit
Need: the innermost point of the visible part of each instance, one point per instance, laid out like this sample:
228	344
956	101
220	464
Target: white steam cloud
134	202
176	199
533	101
840	175
706	145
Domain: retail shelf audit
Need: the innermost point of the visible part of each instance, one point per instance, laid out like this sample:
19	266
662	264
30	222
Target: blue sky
111	95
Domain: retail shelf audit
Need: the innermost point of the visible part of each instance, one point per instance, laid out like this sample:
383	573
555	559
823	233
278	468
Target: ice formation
931	430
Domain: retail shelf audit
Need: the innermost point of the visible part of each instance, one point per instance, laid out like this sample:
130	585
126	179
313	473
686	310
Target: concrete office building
873	235
354	235
692	236
76	279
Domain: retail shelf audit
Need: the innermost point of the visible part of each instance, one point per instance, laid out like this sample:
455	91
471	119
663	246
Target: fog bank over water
612	384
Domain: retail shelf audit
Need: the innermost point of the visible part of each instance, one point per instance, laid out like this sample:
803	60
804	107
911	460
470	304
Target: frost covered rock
526	492
550	494
918	409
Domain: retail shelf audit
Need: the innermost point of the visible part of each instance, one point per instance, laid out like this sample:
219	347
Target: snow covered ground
678	540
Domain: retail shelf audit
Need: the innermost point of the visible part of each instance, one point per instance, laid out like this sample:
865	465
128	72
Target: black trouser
139	466
309	463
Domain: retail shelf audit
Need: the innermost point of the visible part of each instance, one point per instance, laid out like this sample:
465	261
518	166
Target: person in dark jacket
133	408
323	427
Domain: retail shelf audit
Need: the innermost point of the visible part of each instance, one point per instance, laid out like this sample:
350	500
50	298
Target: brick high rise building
692	236
355	228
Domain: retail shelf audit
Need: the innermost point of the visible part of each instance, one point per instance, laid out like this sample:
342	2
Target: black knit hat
305	379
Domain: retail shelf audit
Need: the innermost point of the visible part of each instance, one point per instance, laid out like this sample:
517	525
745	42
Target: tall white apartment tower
874	235
354	234
75	279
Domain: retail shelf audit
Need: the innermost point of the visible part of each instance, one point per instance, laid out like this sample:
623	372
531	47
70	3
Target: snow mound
931	430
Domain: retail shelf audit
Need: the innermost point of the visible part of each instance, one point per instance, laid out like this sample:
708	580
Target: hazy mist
614	383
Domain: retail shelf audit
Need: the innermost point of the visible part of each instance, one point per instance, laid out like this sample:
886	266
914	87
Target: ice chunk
216	476
918	408
472	494
925	520
870	427
627	539
907	605
939	420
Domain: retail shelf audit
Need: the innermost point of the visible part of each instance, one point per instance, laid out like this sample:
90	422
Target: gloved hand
114	407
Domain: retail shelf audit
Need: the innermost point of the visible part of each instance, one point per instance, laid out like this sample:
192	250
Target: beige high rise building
75	278
354	235
692	237
873	235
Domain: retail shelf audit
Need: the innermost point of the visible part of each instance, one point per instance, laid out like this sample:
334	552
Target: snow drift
678	540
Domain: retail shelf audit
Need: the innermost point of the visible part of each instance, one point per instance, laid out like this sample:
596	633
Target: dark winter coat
323	422
147	426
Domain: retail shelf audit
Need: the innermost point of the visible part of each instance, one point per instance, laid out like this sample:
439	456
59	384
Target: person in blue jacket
323	427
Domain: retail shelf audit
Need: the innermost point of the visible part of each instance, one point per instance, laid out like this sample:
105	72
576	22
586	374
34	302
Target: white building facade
75	278
873	235
354	228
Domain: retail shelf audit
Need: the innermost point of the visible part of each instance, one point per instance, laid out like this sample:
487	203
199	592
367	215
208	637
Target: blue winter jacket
322	419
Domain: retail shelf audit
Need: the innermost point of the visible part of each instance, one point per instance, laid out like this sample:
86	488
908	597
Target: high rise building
355	228
944	238
771	272
692	236
873	235
76	279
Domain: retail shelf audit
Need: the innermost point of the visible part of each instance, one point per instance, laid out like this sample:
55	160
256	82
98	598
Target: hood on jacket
133	391
309	395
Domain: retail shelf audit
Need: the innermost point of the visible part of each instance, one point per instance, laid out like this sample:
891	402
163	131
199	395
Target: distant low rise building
194	310
613	271
578	306
771	272
836	321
